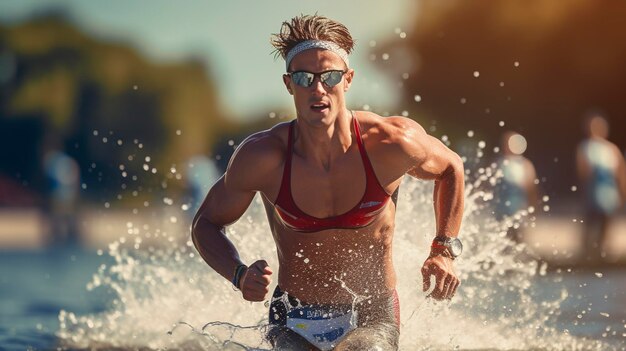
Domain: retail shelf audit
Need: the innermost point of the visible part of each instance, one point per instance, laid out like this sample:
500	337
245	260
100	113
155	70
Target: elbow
202	227
457	166
199	225
455	171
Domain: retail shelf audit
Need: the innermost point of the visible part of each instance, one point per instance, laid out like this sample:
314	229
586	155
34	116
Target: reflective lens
305	79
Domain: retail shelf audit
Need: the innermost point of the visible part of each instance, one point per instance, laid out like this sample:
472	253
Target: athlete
516	190
329	182
602	172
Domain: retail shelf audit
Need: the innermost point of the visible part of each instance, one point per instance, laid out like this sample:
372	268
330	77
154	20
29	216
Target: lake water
136	296
37	285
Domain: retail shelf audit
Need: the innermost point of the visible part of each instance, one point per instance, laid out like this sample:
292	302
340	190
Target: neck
323	145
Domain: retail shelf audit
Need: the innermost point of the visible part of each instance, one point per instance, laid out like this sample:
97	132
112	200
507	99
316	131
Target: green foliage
570	57
85	89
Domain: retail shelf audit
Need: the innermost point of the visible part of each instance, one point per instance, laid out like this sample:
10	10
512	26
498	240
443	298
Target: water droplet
516	64
501	123
574	188
476	74
402	35
372	43
306	260
417	98
463	100
385	56
598	274
470	133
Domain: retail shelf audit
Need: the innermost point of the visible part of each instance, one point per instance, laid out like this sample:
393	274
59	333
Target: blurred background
117	113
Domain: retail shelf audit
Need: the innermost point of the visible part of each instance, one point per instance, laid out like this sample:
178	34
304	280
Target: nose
318	87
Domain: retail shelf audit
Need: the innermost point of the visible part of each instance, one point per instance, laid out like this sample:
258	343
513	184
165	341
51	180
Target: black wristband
239	271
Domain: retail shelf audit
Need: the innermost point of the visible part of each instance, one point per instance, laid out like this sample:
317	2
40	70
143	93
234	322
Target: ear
348	80
287	81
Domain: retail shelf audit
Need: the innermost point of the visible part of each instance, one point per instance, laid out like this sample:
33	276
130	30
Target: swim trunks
324	326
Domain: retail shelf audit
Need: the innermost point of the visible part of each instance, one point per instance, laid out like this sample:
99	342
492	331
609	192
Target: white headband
316	44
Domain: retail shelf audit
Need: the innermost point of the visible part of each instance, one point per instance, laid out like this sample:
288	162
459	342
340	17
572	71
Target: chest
328	191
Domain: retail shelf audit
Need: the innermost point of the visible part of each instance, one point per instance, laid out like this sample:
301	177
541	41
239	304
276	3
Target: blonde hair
310	27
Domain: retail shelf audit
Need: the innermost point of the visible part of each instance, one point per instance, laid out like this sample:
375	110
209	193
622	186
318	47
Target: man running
329	182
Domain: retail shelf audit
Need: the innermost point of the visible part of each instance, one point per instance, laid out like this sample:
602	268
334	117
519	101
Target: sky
232	38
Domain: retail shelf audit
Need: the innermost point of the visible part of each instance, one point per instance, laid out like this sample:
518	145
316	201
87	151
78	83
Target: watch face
456	247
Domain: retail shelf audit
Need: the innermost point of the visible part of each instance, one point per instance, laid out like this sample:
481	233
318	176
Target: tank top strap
369	169
284	194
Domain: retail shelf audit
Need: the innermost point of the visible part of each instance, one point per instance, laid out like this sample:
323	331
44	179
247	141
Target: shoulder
394	132
258	159
403	144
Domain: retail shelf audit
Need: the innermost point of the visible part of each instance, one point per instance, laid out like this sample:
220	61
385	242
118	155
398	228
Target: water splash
167	298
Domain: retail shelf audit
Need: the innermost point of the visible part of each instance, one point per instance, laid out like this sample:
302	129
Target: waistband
369	311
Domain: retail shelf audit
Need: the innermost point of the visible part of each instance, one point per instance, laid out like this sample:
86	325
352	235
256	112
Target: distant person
602	173
63	178
201	174
329	181
517	190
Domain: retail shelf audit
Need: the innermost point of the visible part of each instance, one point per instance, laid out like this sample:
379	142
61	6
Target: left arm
429	158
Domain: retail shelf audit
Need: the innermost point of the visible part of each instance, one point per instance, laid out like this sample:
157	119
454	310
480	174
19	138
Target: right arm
222	206
225	203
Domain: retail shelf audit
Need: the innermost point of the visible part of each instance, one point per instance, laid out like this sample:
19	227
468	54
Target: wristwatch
453	246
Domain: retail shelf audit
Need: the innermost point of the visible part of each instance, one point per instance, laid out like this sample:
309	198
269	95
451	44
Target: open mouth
319	107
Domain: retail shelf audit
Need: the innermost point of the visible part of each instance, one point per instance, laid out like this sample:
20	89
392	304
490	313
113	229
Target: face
318	104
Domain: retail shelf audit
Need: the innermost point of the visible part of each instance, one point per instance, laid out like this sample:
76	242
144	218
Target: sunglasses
305	79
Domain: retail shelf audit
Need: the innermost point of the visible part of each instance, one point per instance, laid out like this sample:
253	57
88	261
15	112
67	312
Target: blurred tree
111	108
535	65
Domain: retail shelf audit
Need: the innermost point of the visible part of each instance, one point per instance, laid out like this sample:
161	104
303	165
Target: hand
446	281
256	281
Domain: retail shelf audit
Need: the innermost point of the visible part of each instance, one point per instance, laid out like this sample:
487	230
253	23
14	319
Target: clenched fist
256	281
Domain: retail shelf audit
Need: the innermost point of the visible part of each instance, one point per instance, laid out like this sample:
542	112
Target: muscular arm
427	158
222	206
249	168
433	160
